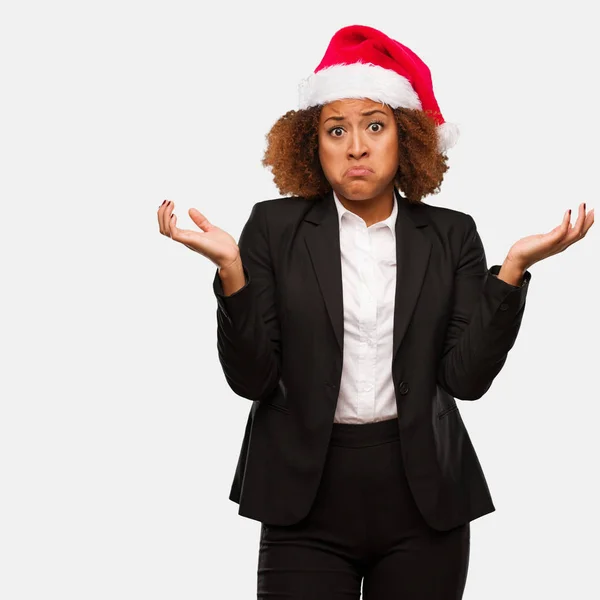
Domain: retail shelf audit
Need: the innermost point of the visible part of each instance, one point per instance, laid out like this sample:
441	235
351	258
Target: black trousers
363	528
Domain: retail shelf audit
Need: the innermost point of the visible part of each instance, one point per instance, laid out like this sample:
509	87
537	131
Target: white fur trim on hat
448	134
358	80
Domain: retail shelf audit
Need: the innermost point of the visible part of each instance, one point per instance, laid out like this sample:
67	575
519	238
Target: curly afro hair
293	154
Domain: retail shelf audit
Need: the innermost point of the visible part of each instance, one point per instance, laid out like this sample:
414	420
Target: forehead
353	106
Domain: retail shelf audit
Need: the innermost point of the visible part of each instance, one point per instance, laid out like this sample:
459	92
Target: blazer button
403	388
504	307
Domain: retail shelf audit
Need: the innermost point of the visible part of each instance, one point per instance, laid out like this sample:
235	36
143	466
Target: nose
357	147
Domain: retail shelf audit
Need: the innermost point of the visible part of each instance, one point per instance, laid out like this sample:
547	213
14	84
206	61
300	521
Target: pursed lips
358	170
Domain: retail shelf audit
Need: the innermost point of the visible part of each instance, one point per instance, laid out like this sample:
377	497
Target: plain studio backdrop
118	433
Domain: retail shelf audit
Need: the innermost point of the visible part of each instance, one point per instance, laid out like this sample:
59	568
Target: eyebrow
366	113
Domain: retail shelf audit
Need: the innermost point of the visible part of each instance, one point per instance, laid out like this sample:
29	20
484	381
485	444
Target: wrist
231	267
232	277
512	272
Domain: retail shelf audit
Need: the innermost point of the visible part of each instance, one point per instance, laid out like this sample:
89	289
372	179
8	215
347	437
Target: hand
213	243
534	248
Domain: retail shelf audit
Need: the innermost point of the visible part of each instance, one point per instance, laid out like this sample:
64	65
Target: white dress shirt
369	285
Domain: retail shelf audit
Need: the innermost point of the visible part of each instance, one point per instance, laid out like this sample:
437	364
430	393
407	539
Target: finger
581	226
200	219
560	231
172	226
589	221
166	215
159	215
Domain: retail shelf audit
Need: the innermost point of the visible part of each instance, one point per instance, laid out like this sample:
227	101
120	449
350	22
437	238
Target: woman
352	316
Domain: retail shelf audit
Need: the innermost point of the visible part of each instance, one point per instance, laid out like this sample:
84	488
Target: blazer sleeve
248	332
485	319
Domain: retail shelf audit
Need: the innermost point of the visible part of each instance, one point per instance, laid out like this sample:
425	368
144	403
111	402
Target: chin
360	189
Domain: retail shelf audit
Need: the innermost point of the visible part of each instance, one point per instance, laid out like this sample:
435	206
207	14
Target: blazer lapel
413	250
323	244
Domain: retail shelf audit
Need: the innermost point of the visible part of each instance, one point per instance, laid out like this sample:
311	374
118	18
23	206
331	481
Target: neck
371	210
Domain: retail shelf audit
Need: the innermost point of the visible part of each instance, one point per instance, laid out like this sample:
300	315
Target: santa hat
362	62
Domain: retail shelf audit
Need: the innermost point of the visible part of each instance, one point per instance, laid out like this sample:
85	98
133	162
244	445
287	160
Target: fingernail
584	206
163	202
172	215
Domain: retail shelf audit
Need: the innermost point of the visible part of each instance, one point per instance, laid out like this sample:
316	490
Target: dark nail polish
584	206
163	202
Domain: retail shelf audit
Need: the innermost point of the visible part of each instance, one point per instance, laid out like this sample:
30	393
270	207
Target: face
358	147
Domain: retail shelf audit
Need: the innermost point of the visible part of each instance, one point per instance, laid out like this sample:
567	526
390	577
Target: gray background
118	433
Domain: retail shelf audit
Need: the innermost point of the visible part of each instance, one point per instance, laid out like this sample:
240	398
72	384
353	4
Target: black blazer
280	341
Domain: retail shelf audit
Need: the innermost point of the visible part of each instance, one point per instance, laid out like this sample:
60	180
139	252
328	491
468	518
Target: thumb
200	219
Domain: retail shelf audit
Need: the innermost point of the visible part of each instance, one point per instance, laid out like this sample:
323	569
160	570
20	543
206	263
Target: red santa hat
362	62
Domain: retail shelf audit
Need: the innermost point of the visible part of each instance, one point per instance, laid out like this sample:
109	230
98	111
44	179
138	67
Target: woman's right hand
214	243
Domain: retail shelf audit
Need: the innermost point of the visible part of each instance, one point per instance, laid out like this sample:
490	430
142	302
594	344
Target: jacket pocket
278	407
446	411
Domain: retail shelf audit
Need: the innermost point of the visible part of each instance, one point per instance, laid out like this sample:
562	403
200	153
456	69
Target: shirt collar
389	222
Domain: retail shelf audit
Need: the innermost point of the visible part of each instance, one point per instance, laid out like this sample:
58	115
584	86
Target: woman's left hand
534	248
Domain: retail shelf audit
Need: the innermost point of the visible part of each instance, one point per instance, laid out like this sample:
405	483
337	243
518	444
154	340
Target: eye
338	129
378	126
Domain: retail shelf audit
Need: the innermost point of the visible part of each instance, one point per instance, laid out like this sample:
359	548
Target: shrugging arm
248	332
483	327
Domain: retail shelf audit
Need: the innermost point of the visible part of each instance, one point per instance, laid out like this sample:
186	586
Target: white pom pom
448	134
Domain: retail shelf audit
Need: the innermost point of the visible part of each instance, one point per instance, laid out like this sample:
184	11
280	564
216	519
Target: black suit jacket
280	342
